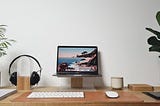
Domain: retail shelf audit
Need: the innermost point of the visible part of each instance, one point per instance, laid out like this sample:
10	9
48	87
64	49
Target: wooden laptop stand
76	82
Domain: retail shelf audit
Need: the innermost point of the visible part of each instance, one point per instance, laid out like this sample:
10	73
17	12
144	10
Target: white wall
117	27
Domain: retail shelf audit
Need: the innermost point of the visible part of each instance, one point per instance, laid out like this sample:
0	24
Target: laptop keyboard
6	92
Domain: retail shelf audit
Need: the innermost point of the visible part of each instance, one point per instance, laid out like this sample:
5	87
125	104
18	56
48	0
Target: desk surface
93	97
90	97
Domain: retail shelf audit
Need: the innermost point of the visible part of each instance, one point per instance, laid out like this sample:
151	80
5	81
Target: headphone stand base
23	83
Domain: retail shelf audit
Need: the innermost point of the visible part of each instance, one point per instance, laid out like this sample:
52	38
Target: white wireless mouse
111	94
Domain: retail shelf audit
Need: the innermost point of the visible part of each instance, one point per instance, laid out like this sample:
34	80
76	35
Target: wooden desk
93	97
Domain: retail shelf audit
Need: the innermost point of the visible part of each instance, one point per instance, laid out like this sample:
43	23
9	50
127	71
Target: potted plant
4	41
154	41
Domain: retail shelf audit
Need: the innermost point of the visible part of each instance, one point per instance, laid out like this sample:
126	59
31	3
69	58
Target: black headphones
34	78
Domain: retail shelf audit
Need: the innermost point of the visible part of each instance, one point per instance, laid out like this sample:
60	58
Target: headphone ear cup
34	78
13	78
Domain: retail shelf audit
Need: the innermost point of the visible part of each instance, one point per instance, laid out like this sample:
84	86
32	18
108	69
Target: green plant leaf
153	41
4	41
2	25
1	49
4	45
154	32
2	30
2	35
158	17
3	53
154	48
1	39
11	40
8	43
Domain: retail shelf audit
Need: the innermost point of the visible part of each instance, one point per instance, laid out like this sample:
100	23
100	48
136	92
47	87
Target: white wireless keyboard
56	94
6	92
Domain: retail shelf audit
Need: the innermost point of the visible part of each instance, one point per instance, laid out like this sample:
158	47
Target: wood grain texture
140	87
76	82
23	83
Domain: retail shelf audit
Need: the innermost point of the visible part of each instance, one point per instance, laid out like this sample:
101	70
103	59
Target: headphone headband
26	56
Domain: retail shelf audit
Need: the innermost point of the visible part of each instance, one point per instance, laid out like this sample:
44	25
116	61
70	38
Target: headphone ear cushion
34	78
13	78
